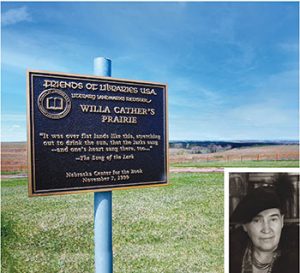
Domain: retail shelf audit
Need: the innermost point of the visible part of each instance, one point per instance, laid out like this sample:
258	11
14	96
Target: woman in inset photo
264	223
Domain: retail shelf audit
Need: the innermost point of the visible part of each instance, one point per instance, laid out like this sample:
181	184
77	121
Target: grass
220	164
13	172
6	183
236	164
178	228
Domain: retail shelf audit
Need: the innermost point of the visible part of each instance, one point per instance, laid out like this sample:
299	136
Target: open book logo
54	104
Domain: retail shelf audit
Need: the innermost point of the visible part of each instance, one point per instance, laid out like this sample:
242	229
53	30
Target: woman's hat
264	198
253	203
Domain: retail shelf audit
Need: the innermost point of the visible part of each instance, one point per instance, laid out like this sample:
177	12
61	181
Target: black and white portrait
263	219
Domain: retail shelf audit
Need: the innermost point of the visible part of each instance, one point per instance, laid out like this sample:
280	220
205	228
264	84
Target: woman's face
264	229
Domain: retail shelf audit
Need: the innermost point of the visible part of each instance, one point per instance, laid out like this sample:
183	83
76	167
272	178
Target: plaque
90	133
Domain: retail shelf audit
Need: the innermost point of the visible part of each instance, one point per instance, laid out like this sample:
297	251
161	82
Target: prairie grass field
177	228
240	164
14	157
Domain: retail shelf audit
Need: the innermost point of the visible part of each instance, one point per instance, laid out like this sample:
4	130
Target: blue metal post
103	203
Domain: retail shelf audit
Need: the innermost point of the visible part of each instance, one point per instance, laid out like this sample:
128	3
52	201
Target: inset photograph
261	220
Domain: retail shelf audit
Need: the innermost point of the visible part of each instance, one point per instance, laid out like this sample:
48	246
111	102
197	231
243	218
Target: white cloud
289	47
14	16
23	51
13	118
191	93
262	114
12	134
269	110
13	127
30	61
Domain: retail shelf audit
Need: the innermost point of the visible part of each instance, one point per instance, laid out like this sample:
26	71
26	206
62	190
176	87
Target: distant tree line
211	148
203	147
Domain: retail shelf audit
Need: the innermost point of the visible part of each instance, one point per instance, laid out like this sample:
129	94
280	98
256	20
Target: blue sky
231	68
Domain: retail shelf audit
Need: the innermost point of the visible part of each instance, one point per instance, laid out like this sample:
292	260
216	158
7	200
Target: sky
232	68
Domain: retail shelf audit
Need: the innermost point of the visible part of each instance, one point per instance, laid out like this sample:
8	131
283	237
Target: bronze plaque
90	133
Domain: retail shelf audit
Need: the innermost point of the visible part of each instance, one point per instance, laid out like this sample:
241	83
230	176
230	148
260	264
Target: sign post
103	204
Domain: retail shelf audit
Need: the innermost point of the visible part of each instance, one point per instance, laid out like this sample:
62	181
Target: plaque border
31	129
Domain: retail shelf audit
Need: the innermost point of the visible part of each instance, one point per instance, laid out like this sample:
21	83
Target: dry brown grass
14	155
276	152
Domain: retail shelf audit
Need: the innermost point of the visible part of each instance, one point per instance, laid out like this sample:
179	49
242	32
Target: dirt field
14	155
276	152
